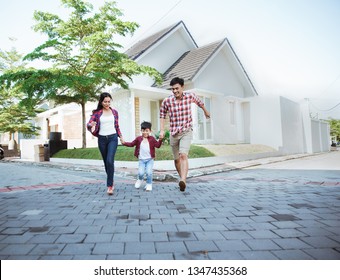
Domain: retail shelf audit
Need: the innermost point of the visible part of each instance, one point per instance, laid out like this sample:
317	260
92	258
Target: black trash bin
55	136
2	152
46	152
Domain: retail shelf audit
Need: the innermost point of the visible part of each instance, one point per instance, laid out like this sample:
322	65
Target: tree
335	128
84	57
14	116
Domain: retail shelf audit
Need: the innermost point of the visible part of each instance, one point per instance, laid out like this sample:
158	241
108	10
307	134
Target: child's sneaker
138	183
148	187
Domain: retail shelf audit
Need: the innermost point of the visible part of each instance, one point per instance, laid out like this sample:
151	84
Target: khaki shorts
180	143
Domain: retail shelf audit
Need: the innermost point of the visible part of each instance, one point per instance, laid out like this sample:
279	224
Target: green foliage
127	154
335	128
83	52
15	116
11	60
84	56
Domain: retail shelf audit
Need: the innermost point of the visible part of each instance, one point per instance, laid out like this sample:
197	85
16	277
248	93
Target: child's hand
122	141
161	135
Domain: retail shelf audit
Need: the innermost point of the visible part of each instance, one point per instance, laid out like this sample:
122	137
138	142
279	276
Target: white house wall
42	123
325	136
224	131
315	136
265	121
292	127
245	107
320	136
145	113
239	71
56	118
219	76
307	127
317	132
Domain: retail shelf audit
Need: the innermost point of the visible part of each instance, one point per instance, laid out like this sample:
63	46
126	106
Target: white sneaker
148	187
138	183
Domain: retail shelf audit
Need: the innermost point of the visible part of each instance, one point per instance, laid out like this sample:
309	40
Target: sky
288	47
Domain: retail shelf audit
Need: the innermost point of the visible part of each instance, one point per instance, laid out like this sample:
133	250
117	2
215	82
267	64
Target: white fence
320	133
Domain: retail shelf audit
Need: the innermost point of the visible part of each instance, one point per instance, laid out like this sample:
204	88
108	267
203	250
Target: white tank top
107	125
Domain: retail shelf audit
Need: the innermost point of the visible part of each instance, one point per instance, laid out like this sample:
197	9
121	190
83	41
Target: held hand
161	134
122	140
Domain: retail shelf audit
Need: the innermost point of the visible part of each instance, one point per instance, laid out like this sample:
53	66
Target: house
215	73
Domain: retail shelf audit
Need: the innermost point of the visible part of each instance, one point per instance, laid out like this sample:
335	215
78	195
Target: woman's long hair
101	99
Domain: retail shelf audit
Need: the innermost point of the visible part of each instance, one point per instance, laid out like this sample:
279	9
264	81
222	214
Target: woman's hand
93	125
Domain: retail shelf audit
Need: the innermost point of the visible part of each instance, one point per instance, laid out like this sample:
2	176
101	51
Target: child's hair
145	125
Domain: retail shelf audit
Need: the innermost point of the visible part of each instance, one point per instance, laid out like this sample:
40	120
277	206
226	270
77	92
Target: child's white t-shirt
144	151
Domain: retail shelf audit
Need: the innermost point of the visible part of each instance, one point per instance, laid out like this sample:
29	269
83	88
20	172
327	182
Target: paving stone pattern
232	215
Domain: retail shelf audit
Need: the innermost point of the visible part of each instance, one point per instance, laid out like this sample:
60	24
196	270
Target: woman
104	125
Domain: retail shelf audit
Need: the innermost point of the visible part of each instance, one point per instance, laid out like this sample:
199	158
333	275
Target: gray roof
188	65
191	62
143	45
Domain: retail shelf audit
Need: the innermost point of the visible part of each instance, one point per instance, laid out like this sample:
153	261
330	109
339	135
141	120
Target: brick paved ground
233	215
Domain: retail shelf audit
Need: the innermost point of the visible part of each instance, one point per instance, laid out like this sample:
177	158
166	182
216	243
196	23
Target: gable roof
143	45
188	65
191	62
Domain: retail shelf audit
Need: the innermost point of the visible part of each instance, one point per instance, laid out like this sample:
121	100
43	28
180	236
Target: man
179	108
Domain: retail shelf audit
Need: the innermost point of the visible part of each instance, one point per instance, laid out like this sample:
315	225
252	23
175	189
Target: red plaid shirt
179	111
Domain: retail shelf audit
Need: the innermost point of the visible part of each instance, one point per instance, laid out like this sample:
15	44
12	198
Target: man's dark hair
145	125
177	81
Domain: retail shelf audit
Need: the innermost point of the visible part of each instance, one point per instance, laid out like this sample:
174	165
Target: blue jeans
108	146
145	166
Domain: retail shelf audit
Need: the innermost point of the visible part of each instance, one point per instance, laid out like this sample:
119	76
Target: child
145	152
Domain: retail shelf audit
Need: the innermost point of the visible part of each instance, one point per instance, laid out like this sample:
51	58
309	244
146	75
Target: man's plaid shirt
179	111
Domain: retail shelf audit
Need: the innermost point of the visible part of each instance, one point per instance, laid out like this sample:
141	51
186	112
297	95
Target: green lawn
126	153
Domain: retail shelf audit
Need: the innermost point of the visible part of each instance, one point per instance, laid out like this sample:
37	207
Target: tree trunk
83	125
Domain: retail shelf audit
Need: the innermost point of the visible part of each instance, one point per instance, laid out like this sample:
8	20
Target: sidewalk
165	170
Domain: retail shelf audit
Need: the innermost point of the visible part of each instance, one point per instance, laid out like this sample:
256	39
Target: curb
164	175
